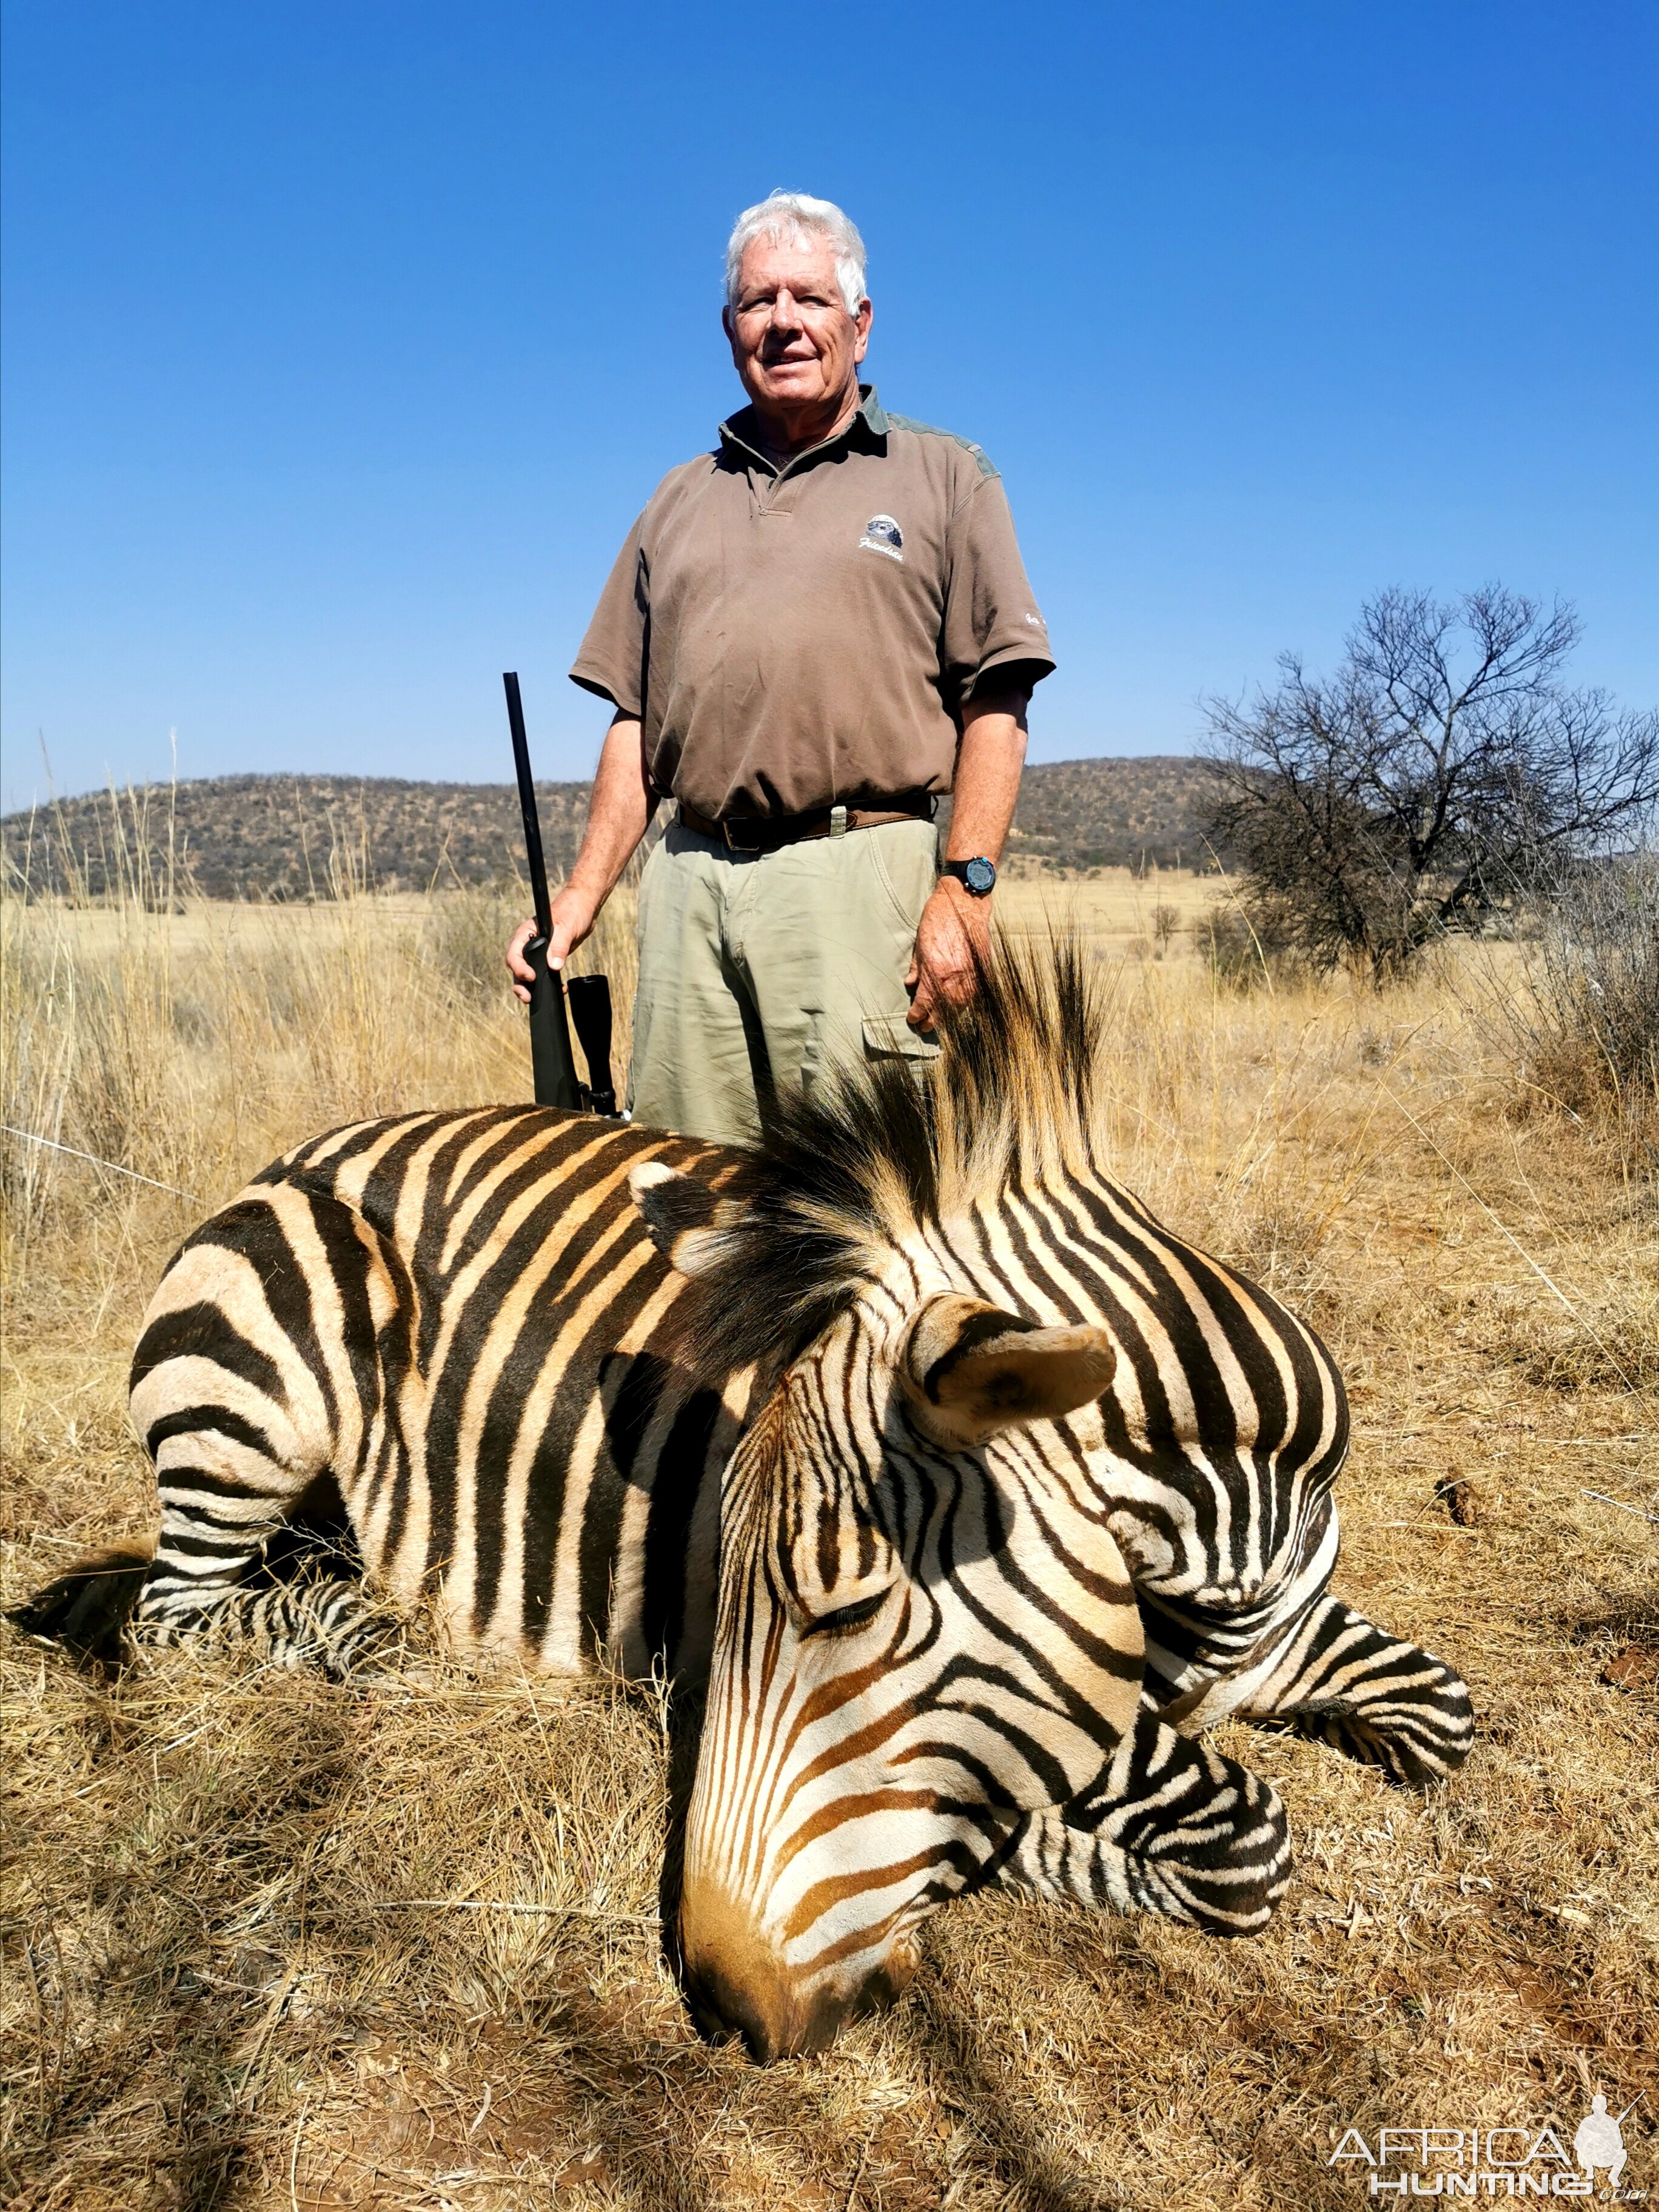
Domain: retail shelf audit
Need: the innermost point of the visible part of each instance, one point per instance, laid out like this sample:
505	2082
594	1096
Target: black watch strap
978	876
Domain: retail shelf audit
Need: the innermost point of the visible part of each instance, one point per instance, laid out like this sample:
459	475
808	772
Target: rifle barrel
538	866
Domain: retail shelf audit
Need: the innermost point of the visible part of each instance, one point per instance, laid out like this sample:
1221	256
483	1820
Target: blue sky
343	343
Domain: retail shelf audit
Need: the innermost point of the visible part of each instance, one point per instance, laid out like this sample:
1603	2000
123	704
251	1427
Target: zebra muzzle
738	1987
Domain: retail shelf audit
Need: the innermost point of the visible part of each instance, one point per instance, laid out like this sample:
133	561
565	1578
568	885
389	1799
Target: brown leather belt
767	833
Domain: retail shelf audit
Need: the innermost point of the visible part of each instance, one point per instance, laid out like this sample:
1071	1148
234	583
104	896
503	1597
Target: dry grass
239	1969
1585	1035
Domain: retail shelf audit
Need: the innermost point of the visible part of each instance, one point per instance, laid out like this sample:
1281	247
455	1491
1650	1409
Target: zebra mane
846	1172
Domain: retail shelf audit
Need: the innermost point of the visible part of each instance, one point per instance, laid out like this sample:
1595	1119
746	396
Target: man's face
797	347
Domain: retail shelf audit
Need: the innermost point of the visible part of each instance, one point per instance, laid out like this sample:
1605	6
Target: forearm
619	813
953	941
988	765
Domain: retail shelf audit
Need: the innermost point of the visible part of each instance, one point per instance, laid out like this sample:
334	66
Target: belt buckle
734	844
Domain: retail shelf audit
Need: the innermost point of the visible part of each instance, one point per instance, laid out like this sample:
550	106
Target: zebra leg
1345	1682
322	1617
229	1504
324	1620
1173	1828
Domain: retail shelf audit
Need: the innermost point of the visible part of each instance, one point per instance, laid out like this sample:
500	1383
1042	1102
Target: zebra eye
846	1618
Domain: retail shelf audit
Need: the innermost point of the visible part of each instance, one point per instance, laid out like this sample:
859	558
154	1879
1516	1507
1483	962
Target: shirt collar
869	424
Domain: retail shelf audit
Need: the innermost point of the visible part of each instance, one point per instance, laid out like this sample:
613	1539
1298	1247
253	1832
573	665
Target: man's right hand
574	917
619	814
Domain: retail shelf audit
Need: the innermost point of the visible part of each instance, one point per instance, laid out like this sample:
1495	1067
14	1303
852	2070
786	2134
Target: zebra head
924	1629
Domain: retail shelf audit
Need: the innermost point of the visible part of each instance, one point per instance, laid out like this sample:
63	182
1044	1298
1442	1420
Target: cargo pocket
890	1036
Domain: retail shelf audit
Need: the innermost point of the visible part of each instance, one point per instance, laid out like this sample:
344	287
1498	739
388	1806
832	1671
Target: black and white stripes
1007	1401
453	1320
969	1492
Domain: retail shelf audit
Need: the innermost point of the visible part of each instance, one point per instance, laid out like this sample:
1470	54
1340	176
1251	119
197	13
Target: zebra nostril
738	1982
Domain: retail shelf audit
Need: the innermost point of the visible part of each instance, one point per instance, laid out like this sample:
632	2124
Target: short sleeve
992	624
612	661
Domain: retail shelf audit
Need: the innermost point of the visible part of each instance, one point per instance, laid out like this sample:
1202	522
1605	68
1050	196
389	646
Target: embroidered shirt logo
883	535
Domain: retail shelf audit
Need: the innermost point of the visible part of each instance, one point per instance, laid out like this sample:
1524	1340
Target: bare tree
1443	768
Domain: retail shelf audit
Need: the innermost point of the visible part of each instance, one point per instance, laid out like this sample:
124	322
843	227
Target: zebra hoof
1416	1756
1223	1860
87	1610
1235	1890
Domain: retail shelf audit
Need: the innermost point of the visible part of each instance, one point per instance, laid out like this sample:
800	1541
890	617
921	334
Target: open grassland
274	1942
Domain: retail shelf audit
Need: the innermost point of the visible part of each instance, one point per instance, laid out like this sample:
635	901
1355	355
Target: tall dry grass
270	1941
1584	1029
183	1043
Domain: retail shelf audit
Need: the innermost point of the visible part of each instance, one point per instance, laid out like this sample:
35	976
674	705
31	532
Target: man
810	634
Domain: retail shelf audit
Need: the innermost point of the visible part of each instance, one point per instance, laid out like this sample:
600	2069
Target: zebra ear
969	1370
686	1219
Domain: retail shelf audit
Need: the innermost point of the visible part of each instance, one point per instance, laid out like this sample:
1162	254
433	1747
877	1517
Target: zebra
959	1494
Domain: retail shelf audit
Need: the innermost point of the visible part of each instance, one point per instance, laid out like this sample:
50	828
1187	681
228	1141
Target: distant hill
278	836
1082	814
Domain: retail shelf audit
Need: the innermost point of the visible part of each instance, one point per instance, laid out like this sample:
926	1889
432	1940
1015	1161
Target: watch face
980	876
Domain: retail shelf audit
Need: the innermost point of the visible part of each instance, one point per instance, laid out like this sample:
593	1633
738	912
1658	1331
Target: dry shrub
1228	947
1581	1016
1246	951
1596	1034
241	1966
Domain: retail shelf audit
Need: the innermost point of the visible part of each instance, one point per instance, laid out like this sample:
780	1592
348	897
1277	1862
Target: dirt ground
269	1941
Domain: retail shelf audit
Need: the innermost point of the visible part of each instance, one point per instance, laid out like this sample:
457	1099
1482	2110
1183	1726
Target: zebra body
450	1318
965	1491
501	1447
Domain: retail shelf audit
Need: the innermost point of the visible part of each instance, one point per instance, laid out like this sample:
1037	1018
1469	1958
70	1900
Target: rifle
552	1068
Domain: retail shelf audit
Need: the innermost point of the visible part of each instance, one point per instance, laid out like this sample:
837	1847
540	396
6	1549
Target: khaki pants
767	968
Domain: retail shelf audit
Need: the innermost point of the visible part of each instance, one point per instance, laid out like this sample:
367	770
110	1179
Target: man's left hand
952	943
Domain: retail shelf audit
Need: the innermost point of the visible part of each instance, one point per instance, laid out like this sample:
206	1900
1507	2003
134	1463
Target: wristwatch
978	876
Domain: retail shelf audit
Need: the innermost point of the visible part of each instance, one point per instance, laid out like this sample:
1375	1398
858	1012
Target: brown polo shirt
806	636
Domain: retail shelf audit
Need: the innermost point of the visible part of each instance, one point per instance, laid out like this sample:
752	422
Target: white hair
790	219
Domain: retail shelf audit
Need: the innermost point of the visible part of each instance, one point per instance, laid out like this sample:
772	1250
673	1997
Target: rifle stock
590	1009
553	1067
